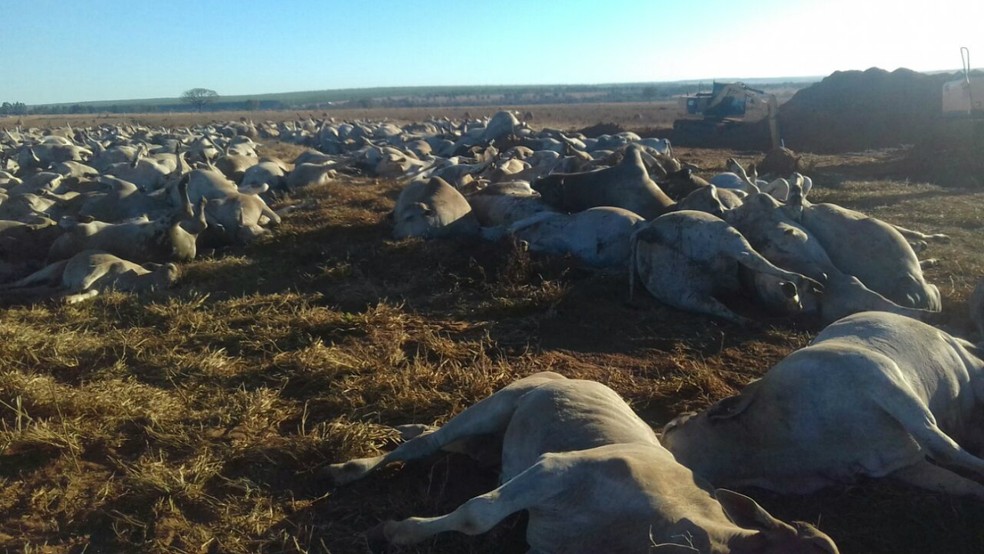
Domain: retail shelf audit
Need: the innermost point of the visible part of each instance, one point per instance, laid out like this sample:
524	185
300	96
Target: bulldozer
731	114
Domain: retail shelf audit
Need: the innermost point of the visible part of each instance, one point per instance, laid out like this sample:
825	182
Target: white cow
593	477
875	394
598	237
626	185
433	209
505	203
88	274
766	225
686	258
875	252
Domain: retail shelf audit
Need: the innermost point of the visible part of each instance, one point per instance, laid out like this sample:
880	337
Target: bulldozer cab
718	116
727	101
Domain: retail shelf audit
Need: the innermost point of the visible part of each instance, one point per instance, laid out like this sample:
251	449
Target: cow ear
673	549
733	405
788	289
746	513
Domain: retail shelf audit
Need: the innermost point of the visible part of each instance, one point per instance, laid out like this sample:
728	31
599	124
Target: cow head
551	189
678	184
772	535
703	199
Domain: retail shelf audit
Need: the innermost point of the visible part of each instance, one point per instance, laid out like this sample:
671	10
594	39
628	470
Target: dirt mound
858	110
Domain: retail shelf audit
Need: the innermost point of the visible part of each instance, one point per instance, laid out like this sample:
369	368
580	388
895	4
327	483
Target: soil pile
858	110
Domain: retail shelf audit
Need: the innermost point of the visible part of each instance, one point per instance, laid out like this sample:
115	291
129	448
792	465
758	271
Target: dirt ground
200	419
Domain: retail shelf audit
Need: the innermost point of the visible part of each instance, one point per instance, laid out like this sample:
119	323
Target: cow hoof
376	539
414	430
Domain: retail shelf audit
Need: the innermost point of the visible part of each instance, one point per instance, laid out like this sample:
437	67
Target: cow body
593	477
88	274
875	394
433	209
772	232
626	185
598	237
884	261
687	258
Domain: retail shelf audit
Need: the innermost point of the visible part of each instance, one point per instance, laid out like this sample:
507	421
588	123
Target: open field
200	419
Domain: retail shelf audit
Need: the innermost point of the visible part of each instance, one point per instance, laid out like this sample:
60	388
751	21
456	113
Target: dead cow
875	394
598	237
870	249
433	209
88	274
626	185
593	477
505	203
686	258
168	238
765	223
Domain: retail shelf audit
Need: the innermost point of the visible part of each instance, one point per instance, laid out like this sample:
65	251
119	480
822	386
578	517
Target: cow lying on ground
626	185
168	238
884	261
593	477
505	203
598	237
686	258
762	220
433	209
88	274
875	394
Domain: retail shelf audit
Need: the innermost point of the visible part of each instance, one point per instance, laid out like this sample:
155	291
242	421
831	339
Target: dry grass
199	420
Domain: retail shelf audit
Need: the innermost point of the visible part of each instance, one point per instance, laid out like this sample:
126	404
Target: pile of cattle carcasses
879	392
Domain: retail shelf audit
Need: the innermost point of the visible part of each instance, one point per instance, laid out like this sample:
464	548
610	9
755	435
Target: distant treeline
400	97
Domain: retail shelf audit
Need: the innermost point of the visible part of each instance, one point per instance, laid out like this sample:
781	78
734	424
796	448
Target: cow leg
537	484
50	276
911	235
488	416
935	478
79	297
844	295
676	280
755	262
709	305
917	420
97	273
414	430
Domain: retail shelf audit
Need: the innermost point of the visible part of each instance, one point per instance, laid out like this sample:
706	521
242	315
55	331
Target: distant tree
650	93
251	105
199	97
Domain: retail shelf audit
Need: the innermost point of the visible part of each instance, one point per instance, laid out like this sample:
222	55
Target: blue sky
61	51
